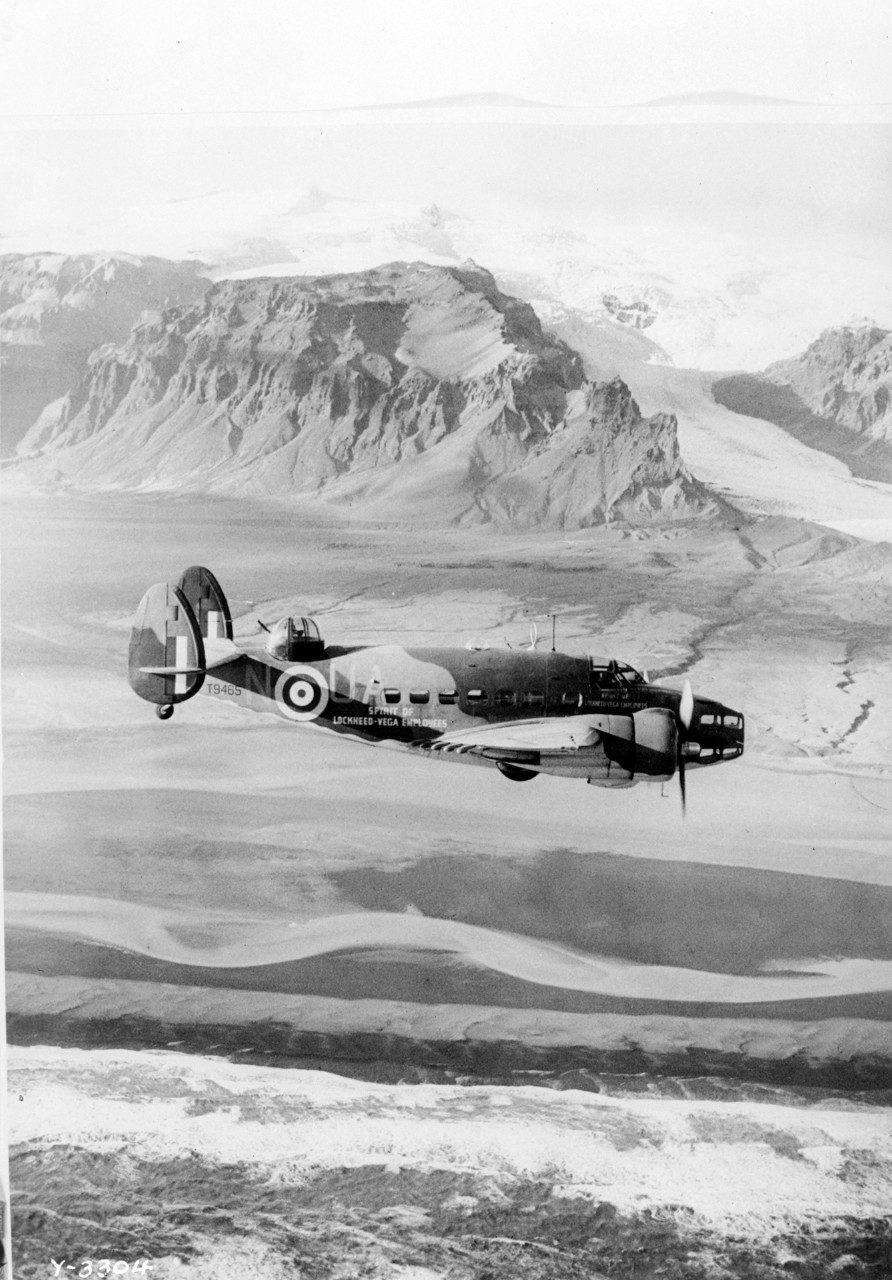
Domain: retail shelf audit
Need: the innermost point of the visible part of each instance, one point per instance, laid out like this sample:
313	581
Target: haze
279	56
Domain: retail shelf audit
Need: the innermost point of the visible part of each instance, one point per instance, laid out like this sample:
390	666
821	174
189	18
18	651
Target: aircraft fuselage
525	711
412	696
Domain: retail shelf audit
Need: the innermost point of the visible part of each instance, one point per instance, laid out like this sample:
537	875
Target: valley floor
717	989
212	1169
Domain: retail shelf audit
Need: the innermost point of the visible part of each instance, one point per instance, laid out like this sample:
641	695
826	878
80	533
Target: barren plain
239	887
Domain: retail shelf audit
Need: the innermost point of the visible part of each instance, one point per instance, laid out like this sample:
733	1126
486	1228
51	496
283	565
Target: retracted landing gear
164	712
515	774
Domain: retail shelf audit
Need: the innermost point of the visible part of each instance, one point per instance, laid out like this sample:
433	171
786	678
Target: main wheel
164	712
514	773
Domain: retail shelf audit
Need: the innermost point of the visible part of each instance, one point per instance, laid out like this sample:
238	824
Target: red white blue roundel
301	693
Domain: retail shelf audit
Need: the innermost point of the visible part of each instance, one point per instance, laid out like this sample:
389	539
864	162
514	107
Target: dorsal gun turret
295	640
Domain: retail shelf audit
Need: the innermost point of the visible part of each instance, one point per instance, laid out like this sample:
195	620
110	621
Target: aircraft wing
608	749
522	741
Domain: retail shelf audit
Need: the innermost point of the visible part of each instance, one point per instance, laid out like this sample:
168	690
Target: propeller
685	715
534	635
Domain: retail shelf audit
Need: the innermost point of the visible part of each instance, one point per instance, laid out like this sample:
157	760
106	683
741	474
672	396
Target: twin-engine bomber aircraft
525	711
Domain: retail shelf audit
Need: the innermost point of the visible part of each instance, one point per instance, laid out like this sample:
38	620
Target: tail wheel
164	712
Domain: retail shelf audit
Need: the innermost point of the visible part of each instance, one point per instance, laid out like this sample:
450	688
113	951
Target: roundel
301	693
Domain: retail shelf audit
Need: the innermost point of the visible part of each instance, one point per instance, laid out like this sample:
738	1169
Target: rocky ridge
55	309
846	377
836	397
411	389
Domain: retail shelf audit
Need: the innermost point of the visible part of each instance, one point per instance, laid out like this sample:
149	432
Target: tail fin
167	658
208	602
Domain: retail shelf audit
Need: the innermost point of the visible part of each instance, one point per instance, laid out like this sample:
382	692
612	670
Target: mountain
726	300
411	390
55	309
723	302
723	98
845	376
835	396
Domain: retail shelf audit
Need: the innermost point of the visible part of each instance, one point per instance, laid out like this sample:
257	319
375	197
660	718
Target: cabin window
533	699
476	695
505	698
448	696
419	695
707	719
732	721
391	695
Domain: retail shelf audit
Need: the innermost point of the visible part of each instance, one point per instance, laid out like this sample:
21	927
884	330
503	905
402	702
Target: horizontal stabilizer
172	671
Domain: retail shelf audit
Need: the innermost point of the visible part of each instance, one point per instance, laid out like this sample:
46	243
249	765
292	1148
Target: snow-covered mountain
711	299
55	309
710	302
407	389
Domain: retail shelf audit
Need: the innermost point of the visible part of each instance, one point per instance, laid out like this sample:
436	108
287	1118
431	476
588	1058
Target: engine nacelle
650	749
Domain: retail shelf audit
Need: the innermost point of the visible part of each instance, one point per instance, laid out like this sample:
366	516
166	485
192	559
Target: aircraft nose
734	727
720	733
728	733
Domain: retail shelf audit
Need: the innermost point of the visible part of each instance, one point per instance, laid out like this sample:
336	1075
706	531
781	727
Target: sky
85	57
108	106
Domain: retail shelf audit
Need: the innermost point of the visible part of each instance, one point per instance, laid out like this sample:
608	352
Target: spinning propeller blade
685	716
681	784
686	706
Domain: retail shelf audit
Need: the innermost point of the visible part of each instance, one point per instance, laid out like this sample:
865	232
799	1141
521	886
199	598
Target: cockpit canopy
295	640
606	674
